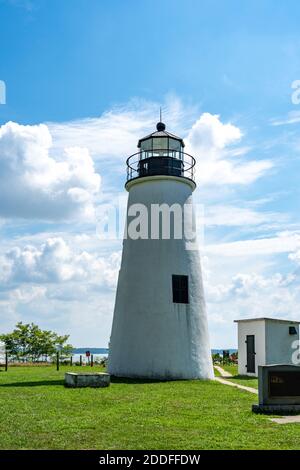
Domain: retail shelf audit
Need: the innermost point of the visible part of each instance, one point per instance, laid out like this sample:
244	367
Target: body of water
104	352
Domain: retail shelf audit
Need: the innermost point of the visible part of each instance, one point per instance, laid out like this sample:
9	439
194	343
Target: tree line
31	342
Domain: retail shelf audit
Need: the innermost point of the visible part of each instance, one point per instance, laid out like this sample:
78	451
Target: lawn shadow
41	383
38	383
135	381
116	380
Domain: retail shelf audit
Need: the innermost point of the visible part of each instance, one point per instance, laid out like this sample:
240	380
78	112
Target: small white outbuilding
265	341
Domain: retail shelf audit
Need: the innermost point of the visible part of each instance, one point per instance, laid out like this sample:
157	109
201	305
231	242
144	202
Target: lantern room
161	153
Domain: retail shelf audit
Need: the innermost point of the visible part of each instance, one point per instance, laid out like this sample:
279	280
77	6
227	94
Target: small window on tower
180	285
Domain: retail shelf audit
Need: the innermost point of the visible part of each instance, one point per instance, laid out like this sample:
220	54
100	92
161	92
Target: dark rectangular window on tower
180	286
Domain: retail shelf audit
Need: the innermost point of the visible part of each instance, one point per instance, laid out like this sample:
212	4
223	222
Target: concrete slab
286	419
276	409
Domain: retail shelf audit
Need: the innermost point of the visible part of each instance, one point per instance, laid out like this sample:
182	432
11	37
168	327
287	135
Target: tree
234	357
28	340
216	357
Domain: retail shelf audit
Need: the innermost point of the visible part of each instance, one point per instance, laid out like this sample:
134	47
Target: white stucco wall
256	328
152	336
279	342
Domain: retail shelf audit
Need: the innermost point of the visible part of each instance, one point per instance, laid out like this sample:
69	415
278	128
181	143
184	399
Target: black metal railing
160	162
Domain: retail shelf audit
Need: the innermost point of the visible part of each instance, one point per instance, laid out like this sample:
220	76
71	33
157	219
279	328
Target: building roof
266	319
161	132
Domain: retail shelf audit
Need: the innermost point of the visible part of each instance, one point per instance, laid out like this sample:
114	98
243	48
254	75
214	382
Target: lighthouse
159	328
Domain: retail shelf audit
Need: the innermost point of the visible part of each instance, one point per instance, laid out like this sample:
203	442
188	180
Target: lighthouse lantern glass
161	146
146	144
174	144
160	143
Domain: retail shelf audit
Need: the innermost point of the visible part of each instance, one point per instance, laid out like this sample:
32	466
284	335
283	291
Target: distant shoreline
92	350
105	351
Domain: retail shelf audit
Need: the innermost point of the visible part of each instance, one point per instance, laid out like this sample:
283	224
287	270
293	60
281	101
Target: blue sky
69	59
87	79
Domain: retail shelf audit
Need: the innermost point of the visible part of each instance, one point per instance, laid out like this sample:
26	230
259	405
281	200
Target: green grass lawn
231	368
37	412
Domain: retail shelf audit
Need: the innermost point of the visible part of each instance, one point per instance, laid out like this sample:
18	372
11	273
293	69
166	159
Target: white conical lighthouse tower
160	325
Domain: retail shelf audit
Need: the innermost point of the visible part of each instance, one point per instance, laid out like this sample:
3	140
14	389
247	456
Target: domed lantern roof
161	140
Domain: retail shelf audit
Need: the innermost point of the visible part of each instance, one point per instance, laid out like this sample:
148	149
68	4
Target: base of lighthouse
152	336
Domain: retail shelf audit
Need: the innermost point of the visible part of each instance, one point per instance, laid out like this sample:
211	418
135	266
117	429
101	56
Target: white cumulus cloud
230	215
210	140
55	261
282	242
36	184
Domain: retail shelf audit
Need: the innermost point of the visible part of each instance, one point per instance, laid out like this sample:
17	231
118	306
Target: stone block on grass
79	380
